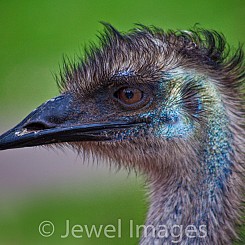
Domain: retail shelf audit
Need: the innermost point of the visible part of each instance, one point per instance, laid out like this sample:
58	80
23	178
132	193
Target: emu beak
58	120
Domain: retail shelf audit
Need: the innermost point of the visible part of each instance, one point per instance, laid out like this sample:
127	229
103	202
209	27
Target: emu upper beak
58	120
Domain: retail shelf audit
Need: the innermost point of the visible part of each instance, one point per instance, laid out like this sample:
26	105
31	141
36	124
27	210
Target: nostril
33	126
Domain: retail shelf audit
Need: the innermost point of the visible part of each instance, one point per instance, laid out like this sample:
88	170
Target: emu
167	104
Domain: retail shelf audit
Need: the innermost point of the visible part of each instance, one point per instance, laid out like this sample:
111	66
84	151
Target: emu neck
196	209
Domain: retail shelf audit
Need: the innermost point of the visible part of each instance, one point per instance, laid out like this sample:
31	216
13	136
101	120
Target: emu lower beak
57	121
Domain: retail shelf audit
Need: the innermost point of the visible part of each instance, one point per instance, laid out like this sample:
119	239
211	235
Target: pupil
129	94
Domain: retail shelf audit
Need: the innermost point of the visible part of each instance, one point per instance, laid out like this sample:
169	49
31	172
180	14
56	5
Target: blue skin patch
217	152
175	125
170	120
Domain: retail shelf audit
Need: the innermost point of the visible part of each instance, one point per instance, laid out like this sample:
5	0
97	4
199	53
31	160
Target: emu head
147	99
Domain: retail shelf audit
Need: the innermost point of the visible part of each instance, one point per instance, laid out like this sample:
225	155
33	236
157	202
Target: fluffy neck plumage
197	210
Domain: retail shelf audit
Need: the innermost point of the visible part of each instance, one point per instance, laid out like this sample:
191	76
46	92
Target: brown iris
129	96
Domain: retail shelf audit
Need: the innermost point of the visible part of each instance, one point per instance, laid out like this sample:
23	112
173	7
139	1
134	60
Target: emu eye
129	96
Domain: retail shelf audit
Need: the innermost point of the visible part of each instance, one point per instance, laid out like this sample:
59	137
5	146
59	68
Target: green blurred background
37	184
